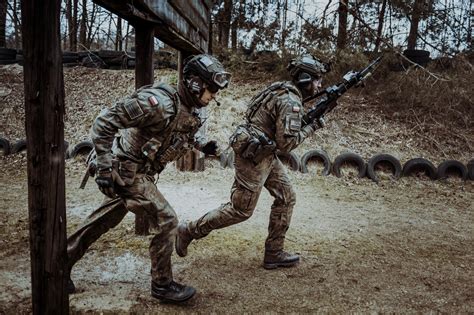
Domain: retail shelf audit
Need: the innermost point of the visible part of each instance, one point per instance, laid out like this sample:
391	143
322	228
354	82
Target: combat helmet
306	68
207	69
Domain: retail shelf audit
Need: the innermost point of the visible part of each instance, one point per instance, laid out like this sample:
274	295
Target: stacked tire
421	57
7	56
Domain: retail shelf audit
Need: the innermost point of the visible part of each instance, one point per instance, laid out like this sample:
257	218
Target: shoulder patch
296	109
153	101
133	109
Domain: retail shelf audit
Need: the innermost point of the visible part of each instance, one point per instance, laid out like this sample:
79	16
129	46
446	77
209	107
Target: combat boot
280	258
183	239
172	293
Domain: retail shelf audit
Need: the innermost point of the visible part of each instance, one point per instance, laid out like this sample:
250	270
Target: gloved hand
107	179
211	148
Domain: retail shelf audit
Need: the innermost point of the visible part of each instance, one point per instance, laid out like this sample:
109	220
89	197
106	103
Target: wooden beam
44	110
144	48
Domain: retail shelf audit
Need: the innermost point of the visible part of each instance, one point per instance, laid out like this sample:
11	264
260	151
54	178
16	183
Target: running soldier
156	125
273	122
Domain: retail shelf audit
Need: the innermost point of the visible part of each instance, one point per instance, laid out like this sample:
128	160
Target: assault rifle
332	93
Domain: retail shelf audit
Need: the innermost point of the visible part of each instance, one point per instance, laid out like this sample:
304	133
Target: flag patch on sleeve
296	109
133	109
152	100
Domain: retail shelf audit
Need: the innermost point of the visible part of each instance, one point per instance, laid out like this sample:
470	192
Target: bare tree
225	23
380	25
414	21
118	35
342	26
83	25
3	21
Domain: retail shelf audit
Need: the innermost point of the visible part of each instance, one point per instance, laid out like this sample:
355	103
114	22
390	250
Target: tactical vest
275	89
179	134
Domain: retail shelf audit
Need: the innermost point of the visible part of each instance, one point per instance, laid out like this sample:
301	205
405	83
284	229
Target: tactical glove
107	179
211	148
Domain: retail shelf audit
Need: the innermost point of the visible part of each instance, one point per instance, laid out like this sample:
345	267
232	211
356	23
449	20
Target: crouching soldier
156	125
273	122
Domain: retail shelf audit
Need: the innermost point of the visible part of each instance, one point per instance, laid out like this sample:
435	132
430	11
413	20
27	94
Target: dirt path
404	246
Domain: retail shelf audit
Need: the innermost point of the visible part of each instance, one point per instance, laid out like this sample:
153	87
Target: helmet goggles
219	78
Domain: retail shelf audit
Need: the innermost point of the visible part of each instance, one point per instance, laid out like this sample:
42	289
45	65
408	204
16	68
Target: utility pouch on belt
127	170
251	146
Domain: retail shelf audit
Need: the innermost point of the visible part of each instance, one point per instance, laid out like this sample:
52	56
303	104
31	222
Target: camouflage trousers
248	184
144	198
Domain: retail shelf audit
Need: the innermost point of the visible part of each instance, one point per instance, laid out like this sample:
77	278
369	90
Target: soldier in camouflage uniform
156	125
273	122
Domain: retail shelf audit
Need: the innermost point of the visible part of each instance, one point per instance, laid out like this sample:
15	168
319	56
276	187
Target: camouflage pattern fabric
153	128
276	113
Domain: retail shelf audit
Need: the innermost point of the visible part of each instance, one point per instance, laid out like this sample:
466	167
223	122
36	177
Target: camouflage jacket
277	112
150	126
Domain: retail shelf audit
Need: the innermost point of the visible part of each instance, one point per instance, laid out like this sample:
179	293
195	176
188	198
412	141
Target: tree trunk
109	30
144	47
74	26
83	26
118	37
44	121
283	27
16	24
69	22
90	29
380	26
3	21
233	31
225	24
126	36
415	19
342	26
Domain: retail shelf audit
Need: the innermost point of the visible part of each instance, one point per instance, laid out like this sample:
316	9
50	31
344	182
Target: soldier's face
207	96
317	84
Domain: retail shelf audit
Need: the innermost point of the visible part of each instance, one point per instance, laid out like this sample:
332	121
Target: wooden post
144	48
44	109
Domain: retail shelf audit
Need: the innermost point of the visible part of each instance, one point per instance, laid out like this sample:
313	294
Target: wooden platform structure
184	25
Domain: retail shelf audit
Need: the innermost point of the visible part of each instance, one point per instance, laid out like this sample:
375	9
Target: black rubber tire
92	61
470	169
290	159
7	53
445	167
416	53
66	150
110	54
82	148
421	57
316	155
417	164
8	62
349	157
19	146
5	146
383	158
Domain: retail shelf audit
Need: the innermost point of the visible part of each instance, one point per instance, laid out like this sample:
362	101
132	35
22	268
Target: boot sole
171	301
270	266
180	253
